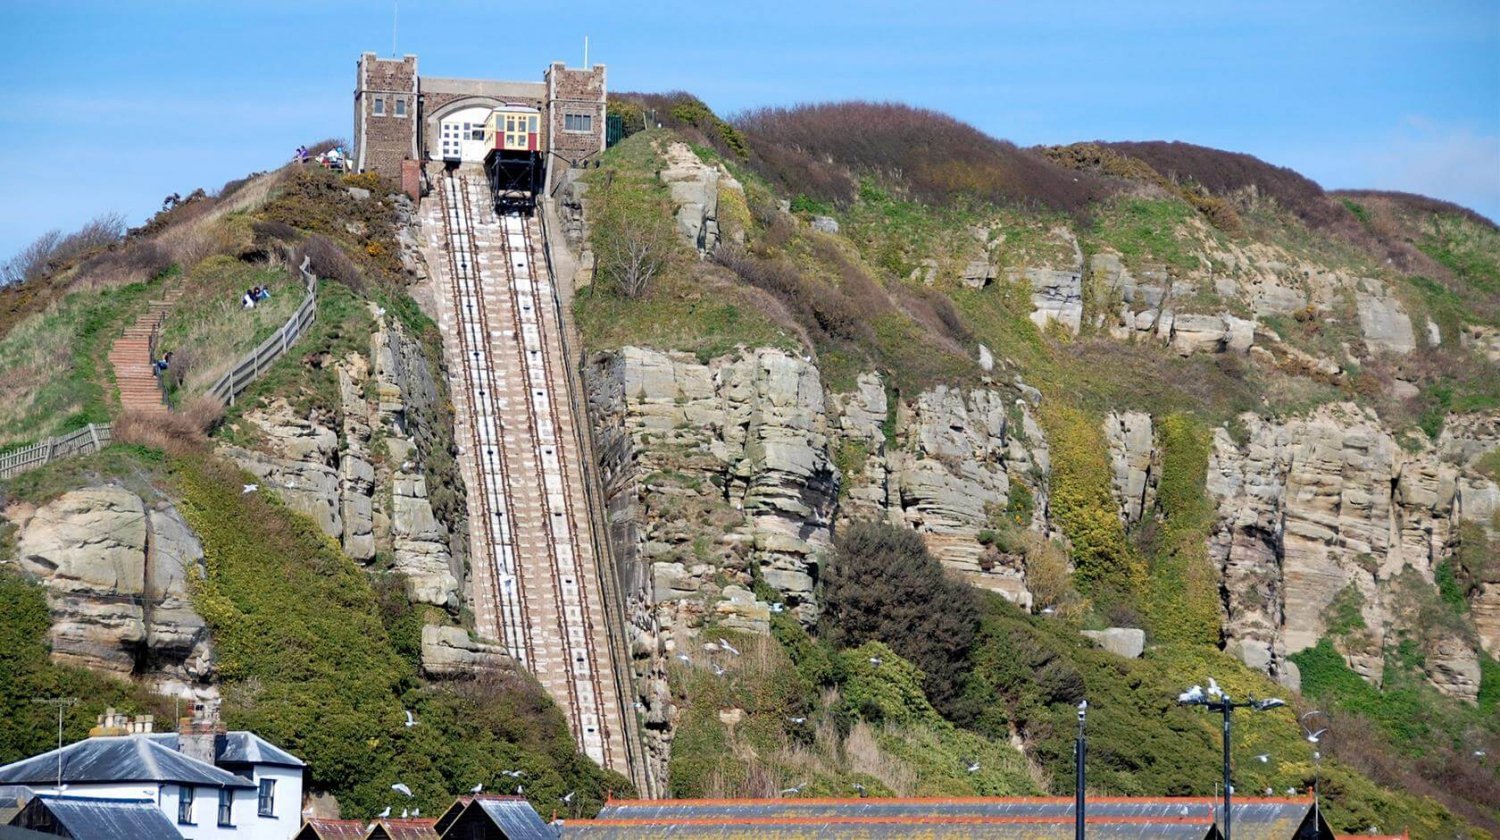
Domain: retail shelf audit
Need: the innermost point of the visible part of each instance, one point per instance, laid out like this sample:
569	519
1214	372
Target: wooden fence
91	438
249	369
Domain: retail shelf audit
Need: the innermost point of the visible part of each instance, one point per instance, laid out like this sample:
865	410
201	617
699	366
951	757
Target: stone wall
382	141
580	92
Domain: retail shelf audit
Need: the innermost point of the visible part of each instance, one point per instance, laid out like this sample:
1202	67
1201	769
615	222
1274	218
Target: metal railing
91	438
238	378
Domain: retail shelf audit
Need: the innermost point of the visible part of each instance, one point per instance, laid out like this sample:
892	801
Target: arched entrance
460	134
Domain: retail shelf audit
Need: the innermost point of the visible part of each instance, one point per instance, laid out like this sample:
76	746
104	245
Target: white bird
1480	753
684	657
380	312
477	788
1083	705
411	719
1048	610
1213	688
514	774
973	768
718	670
1270	792
402	789
1264	758
383	814
1291	791
250	488
777	607
416	812
859	787
792	791
875	660
724	643
1314	737
405	813
569	797
797	720
1192	695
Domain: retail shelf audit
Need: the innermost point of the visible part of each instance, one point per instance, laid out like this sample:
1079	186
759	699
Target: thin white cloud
1452	162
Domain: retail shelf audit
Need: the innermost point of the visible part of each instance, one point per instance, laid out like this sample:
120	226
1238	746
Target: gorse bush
1083	505
1183	600
882	585
820	150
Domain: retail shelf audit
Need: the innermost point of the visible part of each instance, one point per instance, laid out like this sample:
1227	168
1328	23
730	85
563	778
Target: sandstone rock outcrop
694	187
450	653
116	570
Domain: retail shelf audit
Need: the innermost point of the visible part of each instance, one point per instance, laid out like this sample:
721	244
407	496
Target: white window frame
586	120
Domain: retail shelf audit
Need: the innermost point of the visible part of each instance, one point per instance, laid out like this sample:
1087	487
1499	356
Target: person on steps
161	365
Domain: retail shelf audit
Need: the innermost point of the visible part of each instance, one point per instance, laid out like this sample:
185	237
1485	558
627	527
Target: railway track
537	585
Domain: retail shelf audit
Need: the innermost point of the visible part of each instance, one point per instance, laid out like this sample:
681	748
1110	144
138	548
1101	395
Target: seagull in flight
724	643
1192	695
718	670
411	719
1213	689
250	488
1315	737
793	791
569	797
858	787
973	767
685	658
875	660
514	774
1264	758
402	789
777	607
798	720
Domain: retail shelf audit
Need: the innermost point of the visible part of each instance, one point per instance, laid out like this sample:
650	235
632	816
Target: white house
212	784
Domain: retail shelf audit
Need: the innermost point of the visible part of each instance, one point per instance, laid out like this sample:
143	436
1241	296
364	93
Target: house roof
239	748
404	830
321	829
87	818
124	758
12	799
1254	819
512	815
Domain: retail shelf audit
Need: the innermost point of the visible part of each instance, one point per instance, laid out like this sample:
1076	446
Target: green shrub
881	585
1083	503
1183	605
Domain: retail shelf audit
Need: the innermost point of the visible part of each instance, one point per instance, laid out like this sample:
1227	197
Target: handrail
253	364
89	439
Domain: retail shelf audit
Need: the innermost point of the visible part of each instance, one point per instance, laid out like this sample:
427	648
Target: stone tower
575	117
385	114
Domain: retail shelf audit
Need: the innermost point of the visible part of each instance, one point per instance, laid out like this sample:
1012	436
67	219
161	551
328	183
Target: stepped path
131	358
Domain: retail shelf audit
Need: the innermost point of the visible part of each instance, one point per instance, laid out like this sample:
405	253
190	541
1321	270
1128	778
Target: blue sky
112	105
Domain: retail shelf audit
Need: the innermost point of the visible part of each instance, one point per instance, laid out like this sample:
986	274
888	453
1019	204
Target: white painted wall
247	822
452	126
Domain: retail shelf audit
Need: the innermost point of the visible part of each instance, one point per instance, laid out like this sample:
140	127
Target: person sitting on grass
248	301
262	293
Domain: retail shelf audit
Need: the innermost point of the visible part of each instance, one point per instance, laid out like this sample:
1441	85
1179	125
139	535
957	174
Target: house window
578	122
226	800
400	107
267	798
380	106
185	805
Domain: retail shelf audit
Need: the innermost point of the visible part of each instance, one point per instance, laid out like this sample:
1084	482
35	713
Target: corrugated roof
105	819
1254	819
332	829
933	828
8	832
514	816
124	758
12	799
239	748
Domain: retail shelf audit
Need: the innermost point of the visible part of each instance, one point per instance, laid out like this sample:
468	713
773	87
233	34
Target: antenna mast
585	52
61	703
395	17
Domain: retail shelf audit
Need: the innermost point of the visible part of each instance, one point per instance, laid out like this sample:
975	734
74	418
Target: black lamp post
1217	701
1080	749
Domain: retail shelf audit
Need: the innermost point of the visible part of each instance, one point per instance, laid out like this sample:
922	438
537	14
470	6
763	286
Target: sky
112	105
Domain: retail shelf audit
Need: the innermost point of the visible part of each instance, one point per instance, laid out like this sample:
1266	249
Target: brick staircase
131	358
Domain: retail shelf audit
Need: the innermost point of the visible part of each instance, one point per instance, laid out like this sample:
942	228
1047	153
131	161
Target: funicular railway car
513	156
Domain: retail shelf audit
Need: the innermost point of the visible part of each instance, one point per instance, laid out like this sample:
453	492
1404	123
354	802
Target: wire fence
91	438
238	378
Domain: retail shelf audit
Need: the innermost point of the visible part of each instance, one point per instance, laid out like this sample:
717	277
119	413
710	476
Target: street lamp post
1217	701
1080	750
1313	737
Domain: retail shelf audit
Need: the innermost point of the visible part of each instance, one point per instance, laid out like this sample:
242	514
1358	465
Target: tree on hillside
632	235
882	585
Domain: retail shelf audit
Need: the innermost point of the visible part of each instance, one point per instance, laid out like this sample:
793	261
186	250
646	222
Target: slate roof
124	758
239	748
12	799
87	818
873	827
513	815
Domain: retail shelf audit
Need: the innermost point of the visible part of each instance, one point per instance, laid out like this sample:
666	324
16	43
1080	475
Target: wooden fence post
95	436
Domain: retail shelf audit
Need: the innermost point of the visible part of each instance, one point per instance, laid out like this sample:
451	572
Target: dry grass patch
209	332
177	433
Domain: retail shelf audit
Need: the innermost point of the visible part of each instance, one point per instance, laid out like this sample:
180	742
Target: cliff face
117	570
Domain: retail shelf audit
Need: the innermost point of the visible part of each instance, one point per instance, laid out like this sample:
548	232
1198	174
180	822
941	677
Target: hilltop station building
404	120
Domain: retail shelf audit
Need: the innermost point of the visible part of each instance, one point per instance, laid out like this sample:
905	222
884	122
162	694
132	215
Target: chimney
112	723
198	735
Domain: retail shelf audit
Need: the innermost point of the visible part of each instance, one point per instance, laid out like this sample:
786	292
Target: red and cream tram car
513	156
